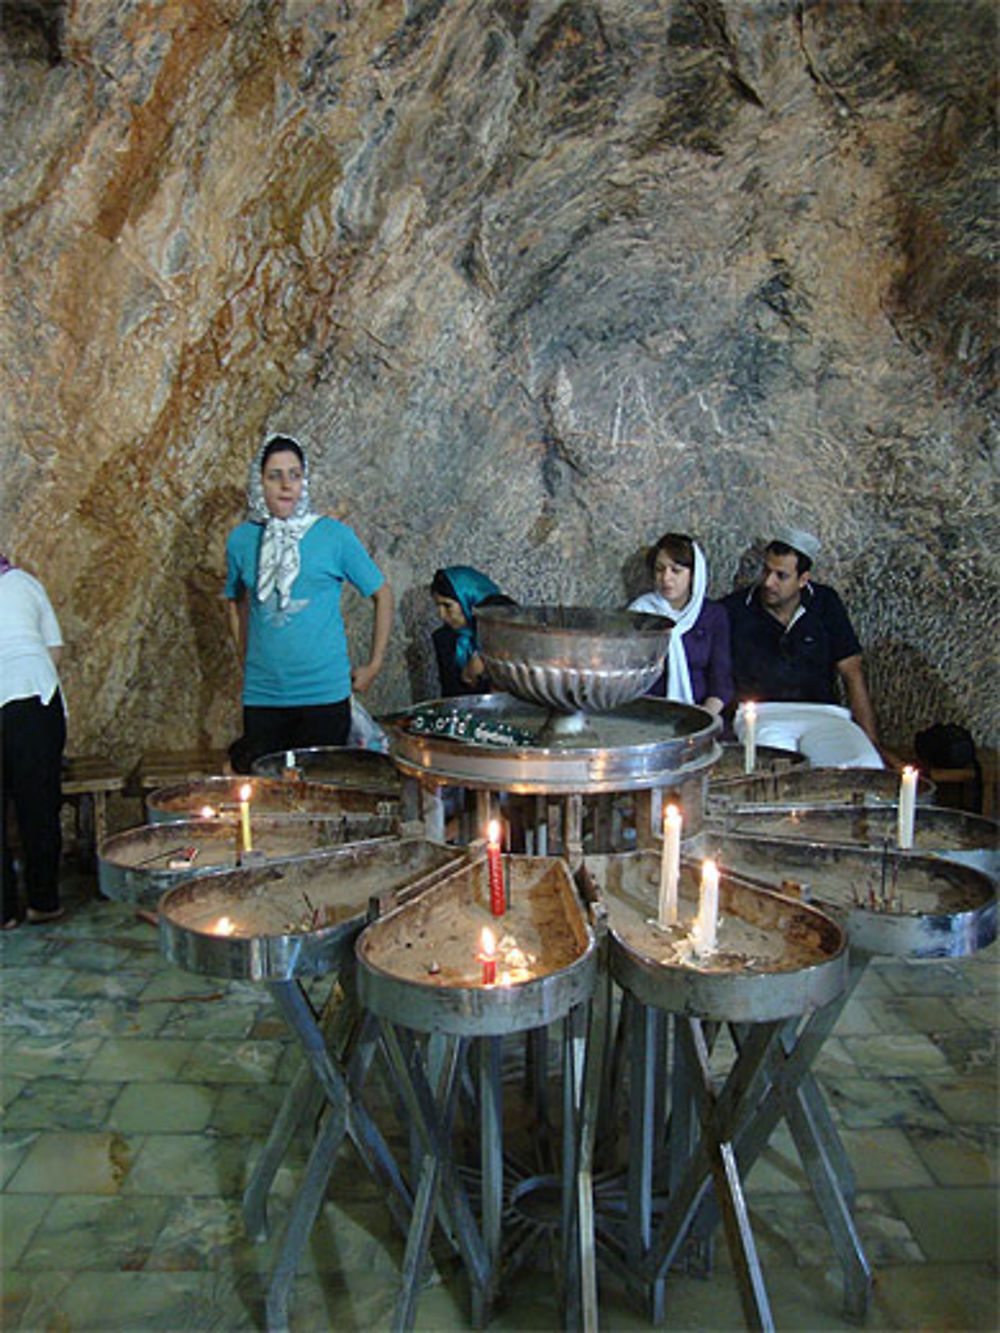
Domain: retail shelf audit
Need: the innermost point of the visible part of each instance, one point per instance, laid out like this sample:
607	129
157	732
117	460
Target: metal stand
514	1212
334	1077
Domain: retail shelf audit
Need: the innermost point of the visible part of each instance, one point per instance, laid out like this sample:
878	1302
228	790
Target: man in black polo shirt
791	637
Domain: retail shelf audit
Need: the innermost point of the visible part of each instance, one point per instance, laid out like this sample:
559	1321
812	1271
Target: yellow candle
749	736
907	805
246	839
670	866
708	910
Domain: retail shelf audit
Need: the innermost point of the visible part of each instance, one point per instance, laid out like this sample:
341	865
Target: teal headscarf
468	589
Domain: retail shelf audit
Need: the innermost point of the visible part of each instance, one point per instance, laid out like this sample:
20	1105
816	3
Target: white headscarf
278	561
678	676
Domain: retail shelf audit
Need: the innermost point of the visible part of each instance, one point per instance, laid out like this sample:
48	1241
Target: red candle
487	957
498	899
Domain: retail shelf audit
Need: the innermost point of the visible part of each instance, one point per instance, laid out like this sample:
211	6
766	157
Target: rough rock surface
534	281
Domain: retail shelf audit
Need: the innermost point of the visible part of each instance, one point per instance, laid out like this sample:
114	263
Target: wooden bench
169	768
86	782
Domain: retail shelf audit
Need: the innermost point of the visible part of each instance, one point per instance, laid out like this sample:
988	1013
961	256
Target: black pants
271	730
32	737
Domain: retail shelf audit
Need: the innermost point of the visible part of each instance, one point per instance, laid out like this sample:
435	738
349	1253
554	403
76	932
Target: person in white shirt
33	734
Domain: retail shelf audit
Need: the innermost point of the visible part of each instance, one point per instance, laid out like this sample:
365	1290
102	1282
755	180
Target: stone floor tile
207	1233
928	1013
10	1090
96	985
966	1101
20	1214
31	1302
14	1147
84	1231
199	1164
159	1108
173	984
28	979
48	1056
96	1302
867	1103
883	1159
44	1104
74	1163
960	1297
236	1113
928	977
138	1059
972	1053
98	956
124	1016
977	1011
965	1155
232	1061
903	1053
212	1018
952	1225
856	1019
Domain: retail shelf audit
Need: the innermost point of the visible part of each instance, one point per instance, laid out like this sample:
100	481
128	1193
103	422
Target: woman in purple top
699	665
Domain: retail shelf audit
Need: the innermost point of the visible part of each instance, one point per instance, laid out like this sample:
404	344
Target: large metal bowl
572	658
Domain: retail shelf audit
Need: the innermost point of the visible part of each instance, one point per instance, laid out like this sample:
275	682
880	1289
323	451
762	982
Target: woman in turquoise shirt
285	570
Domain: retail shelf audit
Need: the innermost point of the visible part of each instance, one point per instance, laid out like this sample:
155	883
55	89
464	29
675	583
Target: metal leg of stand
491	1150
343	1113
432	1111
720	1118
304	1095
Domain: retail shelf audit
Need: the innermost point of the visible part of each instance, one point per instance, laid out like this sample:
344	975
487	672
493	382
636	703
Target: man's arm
384	603
858	699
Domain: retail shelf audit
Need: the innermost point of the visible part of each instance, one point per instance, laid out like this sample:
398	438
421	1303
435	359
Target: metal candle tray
420	965
140	864
775	958
770	759
643	744
268	796
891	902
340	766
937	831
810	786
278	922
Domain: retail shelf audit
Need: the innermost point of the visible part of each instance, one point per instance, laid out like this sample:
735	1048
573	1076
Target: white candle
907	805
707	921
749	736
245	792
670	866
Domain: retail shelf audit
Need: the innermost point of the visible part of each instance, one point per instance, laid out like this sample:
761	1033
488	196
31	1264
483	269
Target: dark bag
945	745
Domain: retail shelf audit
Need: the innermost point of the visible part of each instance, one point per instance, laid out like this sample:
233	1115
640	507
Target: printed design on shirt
276	616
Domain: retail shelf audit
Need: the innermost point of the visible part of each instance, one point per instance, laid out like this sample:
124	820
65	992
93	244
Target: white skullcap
798	540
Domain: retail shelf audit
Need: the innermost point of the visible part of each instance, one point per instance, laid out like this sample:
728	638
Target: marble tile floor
134	1095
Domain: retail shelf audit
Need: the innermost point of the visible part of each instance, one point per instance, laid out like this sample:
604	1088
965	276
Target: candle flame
224	926
246	791
910	772
493	830
207	812
710	869
750	710
671	814
488	942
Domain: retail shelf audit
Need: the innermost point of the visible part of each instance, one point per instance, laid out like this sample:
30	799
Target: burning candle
498	900
708	909
907	805
670	866
224	926
207	812
749	736
487	956
245	837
